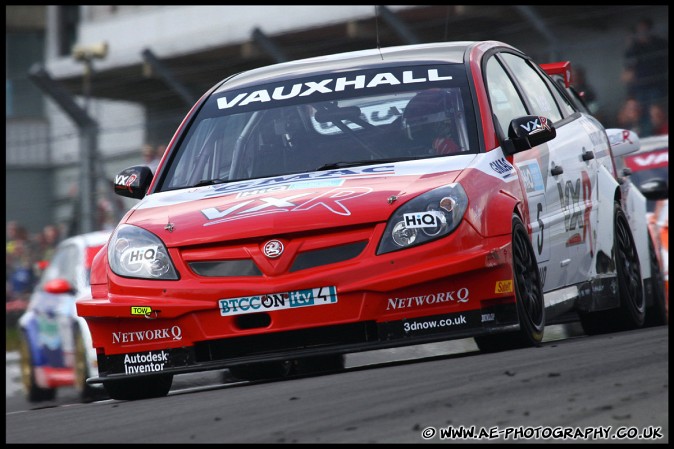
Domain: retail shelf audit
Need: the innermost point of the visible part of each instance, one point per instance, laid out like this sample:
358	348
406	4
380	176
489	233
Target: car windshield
324	123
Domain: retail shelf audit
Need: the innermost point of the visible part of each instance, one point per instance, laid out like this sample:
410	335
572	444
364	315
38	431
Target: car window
535	88
295	126
63	265
505	101
566	95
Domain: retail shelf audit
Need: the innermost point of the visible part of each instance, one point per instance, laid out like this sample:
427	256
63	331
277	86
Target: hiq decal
428	219
139	255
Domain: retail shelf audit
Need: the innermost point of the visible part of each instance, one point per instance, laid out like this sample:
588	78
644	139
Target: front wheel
529	297
140	388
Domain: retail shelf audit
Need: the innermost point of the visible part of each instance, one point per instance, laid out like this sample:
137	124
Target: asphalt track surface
600	387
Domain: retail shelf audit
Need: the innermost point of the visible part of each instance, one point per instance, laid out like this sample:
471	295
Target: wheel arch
496	218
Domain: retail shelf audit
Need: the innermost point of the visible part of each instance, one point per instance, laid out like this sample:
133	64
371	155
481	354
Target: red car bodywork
299	263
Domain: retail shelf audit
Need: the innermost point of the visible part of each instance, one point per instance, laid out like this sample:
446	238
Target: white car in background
55	344
648	170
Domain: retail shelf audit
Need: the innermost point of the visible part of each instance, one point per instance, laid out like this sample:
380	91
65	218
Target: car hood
291	203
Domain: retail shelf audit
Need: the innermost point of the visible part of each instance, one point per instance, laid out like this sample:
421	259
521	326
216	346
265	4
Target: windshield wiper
336	165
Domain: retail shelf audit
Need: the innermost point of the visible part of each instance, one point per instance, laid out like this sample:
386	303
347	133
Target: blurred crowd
645	78
26	257
152	155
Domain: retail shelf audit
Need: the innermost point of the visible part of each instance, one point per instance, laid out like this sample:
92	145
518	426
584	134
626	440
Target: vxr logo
331	200
577	214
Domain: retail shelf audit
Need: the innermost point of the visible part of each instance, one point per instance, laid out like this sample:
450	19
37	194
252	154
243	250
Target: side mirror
623	141
527	132
655	189
133	182
58	286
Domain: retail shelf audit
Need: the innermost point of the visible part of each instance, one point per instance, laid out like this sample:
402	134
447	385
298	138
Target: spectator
630	115
21	277
161	149
47	241
150	157
16	235
659	119
646	65
13	231
585	90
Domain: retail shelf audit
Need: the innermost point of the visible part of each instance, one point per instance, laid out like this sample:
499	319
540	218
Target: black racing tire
630	284
139	388
656	313
529	298
86	392
632	310
32	391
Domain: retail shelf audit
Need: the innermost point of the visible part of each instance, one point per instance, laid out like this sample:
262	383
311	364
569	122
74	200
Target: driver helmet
427	116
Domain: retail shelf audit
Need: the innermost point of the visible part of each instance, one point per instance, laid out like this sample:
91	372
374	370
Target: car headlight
137	253
427	217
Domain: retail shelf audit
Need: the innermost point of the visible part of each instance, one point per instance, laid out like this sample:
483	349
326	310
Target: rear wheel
656	313
632	311
630	283
140	388
529	297
33	392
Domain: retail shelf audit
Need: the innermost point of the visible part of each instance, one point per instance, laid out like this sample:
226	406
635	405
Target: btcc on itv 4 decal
368	200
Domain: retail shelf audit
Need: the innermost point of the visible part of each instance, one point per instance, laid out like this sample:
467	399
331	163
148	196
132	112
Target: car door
571	201
508	104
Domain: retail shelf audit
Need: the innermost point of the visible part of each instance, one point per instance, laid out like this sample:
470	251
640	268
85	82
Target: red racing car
360	201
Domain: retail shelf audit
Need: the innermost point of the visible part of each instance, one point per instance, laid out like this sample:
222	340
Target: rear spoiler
559	68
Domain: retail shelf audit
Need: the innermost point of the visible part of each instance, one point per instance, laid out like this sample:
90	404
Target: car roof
429	53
